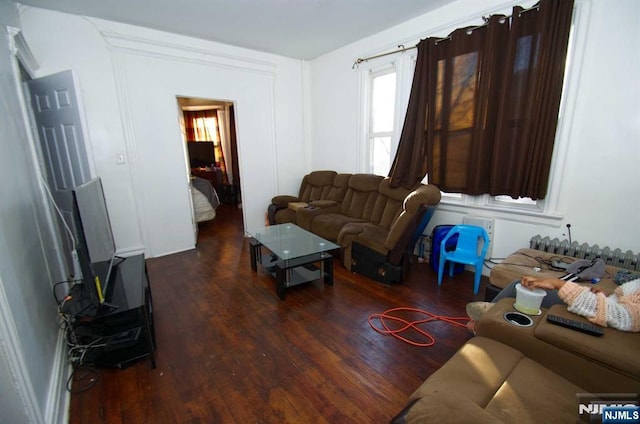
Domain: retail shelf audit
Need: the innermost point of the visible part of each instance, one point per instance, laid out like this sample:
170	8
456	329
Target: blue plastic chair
466	251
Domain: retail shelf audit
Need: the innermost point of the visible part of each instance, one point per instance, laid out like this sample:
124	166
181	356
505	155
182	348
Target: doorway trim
122	46
229	149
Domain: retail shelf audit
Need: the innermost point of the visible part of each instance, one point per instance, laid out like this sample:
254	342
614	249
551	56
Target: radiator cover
614	257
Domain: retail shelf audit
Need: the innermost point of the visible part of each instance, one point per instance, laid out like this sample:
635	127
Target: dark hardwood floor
230	351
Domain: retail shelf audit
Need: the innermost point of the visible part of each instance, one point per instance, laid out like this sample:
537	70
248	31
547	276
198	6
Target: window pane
381	155
463	96
383	101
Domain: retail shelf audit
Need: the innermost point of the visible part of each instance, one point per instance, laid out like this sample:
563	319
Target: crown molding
183	52
20	49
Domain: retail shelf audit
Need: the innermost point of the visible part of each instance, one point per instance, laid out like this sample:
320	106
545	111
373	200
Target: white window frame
403	66
369	134
546	211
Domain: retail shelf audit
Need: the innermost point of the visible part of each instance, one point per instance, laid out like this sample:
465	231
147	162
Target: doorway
208	128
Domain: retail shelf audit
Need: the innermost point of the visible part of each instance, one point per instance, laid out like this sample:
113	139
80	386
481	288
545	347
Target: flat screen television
95	245
201	153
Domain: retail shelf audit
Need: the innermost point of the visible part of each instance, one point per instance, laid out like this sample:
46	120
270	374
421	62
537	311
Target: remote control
583	327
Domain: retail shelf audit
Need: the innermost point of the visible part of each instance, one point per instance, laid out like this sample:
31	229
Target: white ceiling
302	29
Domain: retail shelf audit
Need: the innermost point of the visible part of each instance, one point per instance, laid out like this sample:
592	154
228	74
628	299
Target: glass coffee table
295	255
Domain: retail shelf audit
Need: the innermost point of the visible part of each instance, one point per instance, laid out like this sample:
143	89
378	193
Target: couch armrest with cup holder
520	373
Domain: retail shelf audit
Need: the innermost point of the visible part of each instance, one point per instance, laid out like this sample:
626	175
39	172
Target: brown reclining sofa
535	374
375	224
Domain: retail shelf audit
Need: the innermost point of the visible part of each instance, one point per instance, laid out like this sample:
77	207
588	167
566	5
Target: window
381	123
384	117
403	65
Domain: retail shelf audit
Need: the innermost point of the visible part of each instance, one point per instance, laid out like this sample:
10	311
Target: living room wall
596	182
597	190
29	342
129	79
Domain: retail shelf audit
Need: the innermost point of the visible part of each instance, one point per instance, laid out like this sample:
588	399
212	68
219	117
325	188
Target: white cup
528	301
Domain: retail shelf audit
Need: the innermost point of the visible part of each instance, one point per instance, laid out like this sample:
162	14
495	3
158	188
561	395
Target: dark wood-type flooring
230	351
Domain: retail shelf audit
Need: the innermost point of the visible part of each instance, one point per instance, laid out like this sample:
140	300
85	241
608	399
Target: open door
61	138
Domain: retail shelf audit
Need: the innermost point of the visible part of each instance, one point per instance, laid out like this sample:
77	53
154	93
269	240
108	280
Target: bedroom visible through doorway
210	144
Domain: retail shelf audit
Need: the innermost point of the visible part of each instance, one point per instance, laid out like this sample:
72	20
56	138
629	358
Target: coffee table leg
254	251
328	270
280	280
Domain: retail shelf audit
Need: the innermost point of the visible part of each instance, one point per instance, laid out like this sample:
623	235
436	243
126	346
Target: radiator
613	257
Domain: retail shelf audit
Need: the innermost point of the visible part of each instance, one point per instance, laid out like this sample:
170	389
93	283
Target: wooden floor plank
230	351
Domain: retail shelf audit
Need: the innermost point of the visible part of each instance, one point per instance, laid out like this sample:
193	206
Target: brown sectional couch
358	208
530	374
510	374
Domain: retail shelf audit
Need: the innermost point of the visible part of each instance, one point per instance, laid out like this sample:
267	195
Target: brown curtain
203	126
462	102
410	163
531	100
461	123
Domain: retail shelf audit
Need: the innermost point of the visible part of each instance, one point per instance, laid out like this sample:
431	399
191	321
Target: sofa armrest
616	349
323	204
415	202
283	200
593	375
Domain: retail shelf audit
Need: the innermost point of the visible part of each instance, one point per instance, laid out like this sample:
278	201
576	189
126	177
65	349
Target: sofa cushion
361	196
328	226
475	372
388	205
442	408
533	394
501	382
285	216
339	187
371	236
321	178
316	185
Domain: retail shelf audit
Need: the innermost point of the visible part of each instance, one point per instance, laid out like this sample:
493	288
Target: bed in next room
205	199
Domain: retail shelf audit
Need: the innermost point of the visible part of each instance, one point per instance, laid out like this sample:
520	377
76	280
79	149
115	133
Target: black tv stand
122	330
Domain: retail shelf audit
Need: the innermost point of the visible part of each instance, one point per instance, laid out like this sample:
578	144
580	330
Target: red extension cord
412	325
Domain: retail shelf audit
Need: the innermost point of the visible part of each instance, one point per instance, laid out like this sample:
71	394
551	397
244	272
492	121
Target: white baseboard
59	398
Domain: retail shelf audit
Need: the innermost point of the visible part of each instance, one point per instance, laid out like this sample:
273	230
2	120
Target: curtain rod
402	48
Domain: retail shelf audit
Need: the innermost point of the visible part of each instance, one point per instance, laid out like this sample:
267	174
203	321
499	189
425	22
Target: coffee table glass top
289	241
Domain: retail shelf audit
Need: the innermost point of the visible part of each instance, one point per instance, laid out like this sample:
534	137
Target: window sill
522	215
